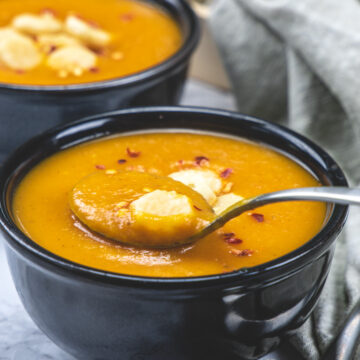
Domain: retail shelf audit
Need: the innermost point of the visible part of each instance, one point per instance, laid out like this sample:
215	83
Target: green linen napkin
298	63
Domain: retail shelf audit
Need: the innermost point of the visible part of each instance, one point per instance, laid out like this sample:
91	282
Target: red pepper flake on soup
226	173
121	161
231	238
98	51
100	167
201	160
234	241
197	208
132	153
241	252
51	49
258	217
94	69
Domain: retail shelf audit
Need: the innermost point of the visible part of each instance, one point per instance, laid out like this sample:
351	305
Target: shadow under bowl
28	110
94	314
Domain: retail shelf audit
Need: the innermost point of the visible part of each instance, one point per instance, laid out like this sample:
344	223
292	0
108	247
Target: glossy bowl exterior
100	315
29	110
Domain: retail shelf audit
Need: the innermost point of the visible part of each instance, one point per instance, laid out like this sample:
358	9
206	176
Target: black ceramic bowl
94	314
29	110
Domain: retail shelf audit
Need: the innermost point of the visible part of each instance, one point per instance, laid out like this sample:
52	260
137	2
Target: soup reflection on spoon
146	210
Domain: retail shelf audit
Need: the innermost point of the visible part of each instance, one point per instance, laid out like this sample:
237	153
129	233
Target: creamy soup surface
243	169
70	42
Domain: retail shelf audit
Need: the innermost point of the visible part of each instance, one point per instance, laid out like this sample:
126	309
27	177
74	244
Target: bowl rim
256	275
188	45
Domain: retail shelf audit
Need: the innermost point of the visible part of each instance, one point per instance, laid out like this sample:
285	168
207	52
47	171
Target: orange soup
236	169
71	42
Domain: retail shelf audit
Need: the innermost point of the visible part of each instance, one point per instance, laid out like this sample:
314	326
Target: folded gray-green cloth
298	63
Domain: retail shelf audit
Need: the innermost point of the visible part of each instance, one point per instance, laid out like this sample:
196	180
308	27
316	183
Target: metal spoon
338	195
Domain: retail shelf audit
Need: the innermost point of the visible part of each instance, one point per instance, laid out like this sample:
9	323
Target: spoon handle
338	195
332	194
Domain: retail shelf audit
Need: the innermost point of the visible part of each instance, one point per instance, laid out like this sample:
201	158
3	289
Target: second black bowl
29	110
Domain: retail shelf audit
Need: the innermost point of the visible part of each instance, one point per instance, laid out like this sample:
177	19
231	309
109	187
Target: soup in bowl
73	42
233	293
64	60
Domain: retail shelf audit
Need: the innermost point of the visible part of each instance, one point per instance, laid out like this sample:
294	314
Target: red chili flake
180	162
20	72
201	160
233	240
226	173
241	252
122	161
100	167
52	48
94	69
197	208
230	238
127	17
98	51
258	217
132	153
48	11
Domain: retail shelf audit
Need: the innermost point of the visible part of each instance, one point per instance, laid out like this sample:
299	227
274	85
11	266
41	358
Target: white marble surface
19	337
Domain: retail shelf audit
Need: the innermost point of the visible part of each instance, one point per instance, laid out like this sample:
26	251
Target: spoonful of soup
140	209
147	210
